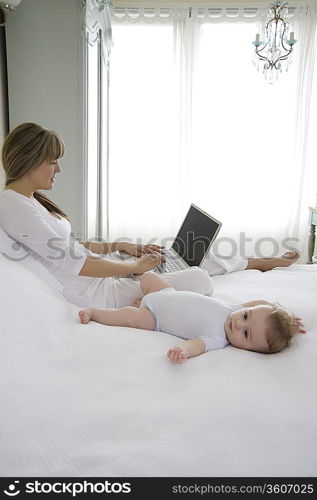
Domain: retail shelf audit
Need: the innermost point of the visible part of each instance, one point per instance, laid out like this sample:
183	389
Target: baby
255	326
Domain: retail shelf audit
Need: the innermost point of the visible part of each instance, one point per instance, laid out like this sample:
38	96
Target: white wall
45	85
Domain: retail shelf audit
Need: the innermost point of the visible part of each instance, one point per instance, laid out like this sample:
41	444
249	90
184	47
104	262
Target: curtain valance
211	12
97	17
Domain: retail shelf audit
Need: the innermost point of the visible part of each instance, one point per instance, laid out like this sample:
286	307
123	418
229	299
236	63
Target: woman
30	157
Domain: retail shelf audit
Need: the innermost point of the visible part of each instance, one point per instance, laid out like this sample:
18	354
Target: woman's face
43	176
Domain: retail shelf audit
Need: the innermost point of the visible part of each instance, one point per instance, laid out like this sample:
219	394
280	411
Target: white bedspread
91	400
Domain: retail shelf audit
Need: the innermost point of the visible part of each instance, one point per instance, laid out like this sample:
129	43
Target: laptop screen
195	236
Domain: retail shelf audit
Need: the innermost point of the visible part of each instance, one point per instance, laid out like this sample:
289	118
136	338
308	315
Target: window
191	120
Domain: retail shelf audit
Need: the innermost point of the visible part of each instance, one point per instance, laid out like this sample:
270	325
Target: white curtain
96	30
97	17
191	120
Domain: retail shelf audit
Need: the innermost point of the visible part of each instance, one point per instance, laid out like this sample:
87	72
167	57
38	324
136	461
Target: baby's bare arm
188	349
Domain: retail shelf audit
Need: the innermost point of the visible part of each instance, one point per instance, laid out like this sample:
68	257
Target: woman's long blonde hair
25	148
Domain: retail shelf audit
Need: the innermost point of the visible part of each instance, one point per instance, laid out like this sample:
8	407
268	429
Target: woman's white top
49	240
190	315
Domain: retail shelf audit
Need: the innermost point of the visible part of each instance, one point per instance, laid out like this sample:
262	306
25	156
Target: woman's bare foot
85	316
290	257
266	264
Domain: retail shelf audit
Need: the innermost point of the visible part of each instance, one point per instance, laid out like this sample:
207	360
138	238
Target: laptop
192	243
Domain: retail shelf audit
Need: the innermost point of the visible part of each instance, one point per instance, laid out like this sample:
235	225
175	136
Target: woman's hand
139	250
146	263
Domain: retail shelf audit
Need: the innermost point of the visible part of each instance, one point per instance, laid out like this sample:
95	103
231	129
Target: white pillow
16	259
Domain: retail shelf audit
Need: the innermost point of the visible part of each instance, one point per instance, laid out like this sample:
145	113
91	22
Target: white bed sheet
90	400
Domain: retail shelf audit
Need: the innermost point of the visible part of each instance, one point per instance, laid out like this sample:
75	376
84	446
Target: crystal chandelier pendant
273	53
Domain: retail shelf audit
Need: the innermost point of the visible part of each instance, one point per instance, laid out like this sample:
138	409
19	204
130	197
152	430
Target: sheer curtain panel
97	33
191	120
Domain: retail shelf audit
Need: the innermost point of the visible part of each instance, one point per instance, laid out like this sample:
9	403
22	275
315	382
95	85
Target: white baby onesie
190	315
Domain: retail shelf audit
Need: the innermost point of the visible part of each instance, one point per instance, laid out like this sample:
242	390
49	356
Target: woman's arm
58	253
96	267
189	349
102	247
121	246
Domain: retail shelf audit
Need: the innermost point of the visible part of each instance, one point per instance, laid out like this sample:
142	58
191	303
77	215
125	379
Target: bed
90	400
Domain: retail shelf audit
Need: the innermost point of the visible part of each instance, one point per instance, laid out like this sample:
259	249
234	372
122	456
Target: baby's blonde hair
281	329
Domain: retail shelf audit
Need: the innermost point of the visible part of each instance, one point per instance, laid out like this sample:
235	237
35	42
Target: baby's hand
85	316
299	325
177	355
137	303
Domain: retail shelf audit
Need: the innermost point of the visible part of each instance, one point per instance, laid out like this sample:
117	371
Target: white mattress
91	400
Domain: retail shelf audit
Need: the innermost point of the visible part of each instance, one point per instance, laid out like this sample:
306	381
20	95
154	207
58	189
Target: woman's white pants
194	279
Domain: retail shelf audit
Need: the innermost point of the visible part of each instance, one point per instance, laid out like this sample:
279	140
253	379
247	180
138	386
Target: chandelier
8	5
272	53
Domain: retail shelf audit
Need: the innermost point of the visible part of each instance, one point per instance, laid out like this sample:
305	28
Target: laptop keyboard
172	264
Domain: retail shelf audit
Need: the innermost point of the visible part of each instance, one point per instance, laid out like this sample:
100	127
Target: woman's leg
216	265
267	264
193	279
126	290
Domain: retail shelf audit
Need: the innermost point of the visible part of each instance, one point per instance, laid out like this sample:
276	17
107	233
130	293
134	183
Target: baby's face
247	327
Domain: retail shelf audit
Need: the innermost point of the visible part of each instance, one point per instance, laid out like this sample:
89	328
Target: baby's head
263	328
